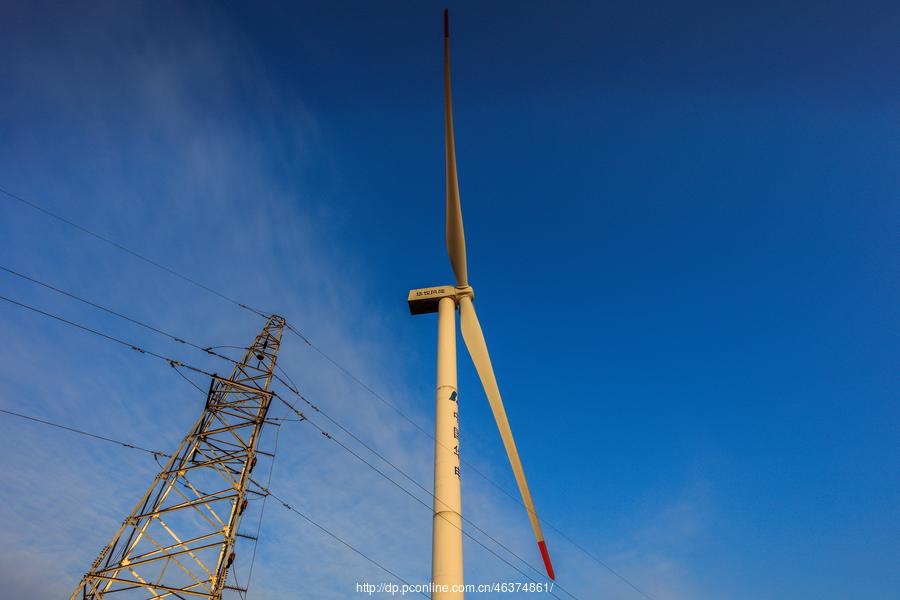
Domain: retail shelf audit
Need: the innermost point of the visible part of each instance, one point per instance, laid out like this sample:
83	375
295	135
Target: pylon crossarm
210	462
227	494
153	587
242	386
231	428
166	553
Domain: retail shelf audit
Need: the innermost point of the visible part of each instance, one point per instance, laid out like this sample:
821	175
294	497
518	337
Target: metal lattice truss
179	540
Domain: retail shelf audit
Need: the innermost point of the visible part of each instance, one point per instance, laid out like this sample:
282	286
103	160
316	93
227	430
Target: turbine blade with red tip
474	339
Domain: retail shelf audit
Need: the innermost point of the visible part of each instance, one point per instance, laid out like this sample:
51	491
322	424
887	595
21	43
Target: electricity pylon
178	542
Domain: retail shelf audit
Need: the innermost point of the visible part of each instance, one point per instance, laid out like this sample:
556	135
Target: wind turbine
446	562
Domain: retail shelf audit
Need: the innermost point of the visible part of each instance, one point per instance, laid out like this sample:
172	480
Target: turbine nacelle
425	300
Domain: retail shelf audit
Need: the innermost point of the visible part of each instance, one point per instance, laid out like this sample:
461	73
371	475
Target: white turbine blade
474	338
456	239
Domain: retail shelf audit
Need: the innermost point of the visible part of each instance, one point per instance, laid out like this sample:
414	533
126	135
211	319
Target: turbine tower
179	540
446	561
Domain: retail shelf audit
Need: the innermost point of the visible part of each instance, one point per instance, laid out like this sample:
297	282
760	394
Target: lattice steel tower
178	542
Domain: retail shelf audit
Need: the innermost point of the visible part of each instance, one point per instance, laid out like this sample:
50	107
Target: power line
186	378
358	381
85	301
173	362
262	509
127	250
207	349
333	535
85	433
338	365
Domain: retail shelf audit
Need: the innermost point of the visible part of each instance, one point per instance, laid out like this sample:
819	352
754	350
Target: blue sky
682	233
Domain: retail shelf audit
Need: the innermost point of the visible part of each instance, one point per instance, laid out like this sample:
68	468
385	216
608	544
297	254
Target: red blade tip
446	23
546	556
